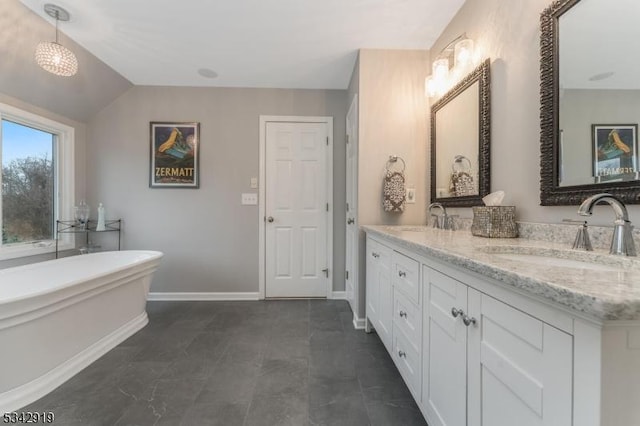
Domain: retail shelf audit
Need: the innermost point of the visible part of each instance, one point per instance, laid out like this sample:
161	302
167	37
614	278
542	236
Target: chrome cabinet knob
374	254
270	219
467	320
350	221
402	354
402	274
455	312
403	314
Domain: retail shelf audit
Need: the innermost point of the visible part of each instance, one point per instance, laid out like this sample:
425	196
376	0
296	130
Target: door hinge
327	206
347	139
327	140
326	272
347	206
346	275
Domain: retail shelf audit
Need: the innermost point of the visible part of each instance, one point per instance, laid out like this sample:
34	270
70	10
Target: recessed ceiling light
207	73
601	76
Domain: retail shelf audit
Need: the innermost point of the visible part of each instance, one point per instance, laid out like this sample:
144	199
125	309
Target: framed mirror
460	139
590	101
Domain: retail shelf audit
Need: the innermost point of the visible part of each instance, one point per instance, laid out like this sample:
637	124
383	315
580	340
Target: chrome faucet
622	240
442	221
582	240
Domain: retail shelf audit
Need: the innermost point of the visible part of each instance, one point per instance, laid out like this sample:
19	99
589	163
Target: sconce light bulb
440	69
430	87
463	53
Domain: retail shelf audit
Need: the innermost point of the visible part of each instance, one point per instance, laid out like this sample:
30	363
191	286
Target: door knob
270	219
455	312
350	221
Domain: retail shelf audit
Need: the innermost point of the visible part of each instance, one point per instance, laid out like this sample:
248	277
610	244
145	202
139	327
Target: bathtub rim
16	311
155	257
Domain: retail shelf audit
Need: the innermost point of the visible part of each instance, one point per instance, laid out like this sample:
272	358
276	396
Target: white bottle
100	226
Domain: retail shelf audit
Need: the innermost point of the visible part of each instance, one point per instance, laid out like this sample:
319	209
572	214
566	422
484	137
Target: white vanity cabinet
488	363
379	291
486	341
470	351
394	308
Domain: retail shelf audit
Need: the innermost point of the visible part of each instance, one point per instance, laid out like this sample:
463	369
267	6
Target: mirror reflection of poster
174	155
615	153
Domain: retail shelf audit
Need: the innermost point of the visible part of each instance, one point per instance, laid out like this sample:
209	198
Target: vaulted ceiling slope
79	97
308	44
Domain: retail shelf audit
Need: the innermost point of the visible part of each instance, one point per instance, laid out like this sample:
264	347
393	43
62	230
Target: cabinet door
520	369
385	299
372	283
444	381
379	292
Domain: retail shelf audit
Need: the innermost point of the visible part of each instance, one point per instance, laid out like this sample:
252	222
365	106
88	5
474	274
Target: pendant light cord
57	19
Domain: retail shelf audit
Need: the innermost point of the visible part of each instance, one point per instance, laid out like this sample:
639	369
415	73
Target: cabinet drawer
407	318
408	361
377	252
406	276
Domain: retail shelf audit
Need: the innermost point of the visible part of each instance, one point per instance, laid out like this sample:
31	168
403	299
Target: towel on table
394	194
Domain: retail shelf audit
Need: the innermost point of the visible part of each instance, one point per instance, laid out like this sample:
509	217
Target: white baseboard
338	295
36	389
358	323
211	296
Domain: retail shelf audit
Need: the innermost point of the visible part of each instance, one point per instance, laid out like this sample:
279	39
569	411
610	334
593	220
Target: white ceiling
248	43
599	39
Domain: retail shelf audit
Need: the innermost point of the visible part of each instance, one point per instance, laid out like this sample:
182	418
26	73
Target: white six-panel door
296	210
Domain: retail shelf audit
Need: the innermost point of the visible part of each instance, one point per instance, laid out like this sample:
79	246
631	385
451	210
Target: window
36	180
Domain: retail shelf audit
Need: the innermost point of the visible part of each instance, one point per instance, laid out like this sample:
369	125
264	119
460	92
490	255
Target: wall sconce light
461	48
52	56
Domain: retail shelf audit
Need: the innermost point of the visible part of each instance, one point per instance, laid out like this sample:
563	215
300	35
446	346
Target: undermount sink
562	258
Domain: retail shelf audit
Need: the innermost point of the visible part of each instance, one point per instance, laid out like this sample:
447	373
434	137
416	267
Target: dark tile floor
240	363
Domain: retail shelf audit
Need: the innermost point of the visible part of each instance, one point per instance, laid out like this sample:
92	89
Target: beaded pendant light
52	56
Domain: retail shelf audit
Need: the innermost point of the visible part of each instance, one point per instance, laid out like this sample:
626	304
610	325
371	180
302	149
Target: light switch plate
254	183
411	196
249	199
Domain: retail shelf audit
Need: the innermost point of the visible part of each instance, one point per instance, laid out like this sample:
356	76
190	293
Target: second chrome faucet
443	220
622	240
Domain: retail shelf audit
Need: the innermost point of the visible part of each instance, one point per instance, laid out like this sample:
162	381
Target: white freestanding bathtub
58	316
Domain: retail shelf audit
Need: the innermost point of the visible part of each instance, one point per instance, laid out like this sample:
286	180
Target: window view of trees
27	184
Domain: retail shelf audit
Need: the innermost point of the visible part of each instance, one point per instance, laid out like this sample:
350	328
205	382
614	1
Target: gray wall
392	120
508	33
78	97
210	241
579	109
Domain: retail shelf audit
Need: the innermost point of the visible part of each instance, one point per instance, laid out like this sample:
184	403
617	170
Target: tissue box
494	222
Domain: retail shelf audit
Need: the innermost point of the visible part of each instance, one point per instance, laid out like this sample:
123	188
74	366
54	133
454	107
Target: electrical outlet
411	196
253	183
249	199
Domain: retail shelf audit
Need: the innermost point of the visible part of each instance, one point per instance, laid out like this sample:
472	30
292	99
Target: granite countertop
604	294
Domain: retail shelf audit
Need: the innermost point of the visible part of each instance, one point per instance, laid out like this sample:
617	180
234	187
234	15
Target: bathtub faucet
622	240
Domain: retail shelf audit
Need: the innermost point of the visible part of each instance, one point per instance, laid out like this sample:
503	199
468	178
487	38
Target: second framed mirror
460	141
